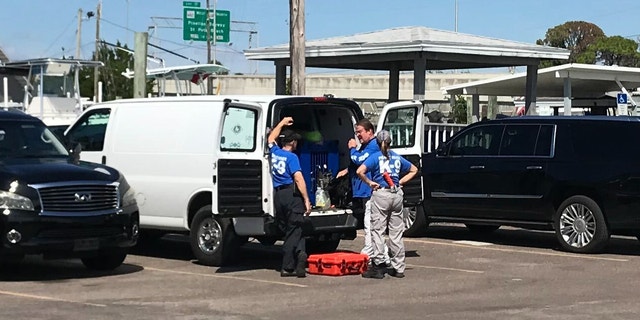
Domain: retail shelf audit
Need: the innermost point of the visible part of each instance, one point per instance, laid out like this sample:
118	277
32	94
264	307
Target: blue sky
41	28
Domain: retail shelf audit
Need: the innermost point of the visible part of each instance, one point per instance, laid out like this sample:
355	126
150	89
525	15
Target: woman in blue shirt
385	167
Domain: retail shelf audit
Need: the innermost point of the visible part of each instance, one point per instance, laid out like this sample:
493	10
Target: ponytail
384	141
384	147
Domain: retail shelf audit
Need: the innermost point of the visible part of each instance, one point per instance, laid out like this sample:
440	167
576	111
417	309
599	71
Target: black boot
301	272
375	271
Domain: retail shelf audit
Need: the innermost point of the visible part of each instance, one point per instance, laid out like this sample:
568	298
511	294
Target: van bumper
331	227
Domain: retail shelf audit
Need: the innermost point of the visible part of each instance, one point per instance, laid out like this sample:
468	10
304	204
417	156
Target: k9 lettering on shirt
387	166
278	164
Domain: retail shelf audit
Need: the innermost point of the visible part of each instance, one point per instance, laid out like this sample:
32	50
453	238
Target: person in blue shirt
291	200
361	191
385	167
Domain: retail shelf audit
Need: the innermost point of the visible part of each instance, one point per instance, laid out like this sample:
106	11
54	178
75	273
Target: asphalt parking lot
451	274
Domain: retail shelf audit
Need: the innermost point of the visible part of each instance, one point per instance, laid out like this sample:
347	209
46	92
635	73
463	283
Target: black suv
579	176
54	205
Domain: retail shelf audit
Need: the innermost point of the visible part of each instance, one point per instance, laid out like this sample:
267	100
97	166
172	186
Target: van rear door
238	180
405	121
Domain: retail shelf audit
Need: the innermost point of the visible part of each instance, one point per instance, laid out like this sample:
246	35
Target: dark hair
366	124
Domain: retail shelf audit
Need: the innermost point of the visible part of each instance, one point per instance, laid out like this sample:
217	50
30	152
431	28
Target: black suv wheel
580	225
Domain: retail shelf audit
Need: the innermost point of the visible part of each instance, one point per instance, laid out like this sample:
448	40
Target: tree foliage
611	51
114	84
459	111
573	35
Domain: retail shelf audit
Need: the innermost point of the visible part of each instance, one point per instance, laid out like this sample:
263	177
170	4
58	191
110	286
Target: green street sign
195	24
193	4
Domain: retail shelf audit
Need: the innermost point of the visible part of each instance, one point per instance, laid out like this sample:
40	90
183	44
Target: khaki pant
386	212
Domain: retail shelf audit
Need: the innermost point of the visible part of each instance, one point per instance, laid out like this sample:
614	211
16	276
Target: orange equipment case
338	263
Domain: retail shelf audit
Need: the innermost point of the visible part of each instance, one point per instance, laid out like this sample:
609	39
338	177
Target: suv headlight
10	200
127	194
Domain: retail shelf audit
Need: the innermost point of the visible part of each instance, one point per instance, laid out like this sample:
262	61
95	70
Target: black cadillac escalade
54	205
578	176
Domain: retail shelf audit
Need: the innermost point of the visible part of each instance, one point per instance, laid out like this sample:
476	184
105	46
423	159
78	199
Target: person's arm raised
273	135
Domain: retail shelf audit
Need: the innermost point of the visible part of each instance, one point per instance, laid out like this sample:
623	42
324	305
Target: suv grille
79	198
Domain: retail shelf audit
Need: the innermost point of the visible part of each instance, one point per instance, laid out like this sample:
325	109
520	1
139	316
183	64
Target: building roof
587	81
377	50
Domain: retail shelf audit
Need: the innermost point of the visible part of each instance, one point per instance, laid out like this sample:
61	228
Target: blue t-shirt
283	165
377	164
359	188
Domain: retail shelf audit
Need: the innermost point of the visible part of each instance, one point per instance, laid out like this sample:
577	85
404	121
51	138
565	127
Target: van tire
579	217
415	221
106	260
212	239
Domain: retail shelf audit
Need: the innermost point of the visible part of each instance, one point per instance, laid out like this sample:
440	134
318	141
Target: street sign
622	98
193	4
623	101
195	24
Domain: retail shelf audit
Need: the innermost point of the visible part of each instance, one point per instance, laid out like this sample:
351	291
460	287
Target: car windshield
28	139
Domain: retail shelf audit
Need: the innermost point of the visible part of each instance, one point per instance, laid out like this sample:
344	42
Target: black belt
282	187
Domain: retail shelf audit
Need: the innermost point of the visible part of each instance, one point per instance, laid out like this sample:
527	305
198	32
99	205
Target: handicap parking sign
622	98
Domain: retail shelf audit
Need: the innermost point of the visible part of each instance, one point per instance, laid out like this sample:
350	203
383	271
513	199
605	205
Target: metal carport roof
571	81
410	48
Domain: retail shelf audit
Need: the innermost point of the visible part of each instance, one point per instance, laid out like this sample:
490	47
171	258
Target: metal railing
437	133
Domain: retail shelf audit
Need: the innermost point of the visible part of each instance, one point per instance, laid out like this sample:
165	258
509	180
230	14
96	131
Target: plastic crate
317	155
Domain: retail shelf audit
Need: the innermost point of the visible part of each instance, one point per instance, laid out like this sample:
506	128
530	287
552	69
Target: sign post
622	100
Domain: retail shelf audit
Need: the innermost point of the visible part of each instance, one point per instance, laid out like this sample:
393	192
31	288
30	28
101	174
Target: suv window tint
478	141
90	130
401	125
28	139
239	130
607	140
545	141
519	140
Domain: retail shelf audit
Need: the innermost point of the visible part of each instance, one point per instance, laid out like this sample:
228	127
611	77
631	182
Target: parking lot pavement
451	274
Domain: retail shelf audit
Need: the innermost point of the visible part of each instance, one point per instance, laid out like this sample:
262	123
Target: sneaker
287	273
394	273
374	272
301	272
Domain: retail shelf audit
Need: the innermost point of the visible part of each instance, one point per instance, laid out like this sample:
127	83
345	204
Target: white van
200	164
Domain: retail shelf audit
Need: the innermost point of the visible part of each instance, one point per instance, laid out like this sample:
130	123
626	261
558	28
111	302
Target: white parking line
554	254
444	268
31	296
228	277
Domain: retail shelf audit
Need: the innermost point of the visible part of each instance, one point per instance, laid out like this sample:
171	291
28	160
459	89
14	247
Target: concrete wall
359	87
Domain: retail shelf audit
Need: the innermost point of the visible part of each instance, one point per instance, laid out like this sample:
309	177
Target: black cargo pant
290	218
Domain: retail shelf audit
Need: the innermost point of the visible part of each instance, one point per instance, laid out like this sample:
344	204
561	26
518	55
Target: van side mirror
75	153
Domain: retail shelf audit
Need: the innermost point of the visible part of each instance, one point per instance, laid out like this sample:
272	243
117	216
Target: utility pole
297	46
78	34
141	39
96	57
211	38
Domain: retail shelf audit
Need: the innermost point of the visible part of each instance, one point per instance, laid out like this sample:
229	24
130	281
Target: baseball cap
383	136
289	135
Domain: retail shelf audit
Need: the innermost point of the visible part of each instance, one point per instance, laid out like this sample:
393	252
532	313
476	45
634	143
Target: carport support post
475	109
531	89
492	107
281	78
567	96
394	82
419	76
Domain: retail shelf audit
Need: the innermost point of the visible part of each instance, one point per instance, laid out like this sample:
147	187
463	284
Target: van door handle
534	167
104	159
476	167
